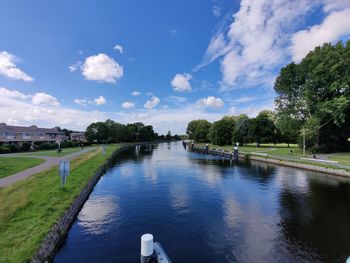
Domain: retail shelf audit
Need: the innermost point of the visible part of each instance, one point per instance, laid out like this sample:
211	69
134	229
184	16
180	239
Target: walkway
49	162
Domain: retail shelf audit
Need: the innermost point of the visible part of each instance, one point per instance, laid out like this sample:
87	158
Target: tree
168	136
317	92
240	133
262	129
289	129
220	133
198	130
97	132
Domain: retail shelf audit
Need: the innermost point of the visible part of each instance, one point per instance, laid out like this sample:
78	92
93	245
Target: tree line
267	127
313	100
110	131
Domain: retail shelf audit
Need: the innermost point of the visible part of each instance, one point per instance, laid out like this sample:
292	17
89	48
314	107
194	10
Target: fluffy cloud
44	99
211	102
97	101
136	93
100	101
9	69
181	82
128	105
336	25
255	43
13	94
101	68
152	103
18	108
119	48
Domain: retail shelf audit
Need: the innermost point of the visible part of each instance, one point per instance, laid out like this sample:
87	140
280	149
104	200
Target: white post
146	248
304	146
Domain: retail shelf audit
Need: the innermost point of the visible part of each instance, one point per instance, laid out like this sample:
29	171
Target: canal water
203	209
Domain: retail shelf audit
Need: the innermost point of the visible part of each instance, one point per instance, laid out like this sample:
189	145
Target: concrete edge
309	167
56	236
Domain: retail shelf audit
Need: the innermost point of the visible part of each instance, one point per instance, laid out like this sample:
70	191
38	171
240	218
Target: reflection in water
98	213
205	209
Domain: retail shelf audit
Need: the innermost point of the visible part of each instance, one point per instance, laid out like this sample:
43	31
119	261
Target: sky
165	63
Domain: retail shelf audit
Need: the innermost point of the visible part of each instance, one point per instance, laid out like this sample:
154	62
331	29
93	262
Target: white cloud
241	100
181	82
75	66
44	99
335	5
101	68
128	105
100	101
119	48
19	109
211	102
254	44
334	26
136	93
176	99
13	94
252	110
216	11
152	103
9	69
97	101
81	102
173	32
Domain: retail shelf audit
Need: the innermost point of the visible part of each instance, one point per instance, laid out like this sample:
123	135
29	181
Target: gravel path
49	162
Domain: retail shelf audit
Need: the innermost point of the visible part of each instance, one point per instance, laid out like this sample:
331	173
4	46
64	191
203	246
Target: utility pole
304	146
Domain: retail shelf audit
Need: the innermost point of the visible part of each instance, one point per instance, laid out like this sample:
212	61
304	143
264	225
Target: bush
48	146
25	147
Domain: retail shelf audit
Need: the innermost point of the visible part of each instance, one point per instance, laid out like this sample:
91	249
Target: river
204	209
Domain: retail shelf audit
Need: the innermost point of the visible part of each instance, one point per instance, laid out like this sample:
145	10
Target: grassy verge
29	208
12	165
54	153
291	154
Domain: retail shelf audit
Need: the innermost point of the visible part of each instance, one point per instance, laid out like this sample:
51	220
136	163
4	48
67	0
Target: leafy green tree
97	132
262	129
288	128
198	130
240	133
220	133
317	92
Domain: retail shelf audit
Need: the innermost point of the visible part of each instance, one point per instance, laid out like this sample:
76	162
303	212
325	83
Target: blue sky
69	63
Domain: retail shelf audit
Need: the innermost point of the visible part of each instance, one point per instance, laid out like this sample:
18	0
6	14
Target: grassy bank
292	154
29	208
12	165
54	153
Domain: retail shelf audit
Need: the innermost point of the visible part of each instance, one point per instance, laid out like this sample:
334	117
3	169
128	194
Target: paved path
49	162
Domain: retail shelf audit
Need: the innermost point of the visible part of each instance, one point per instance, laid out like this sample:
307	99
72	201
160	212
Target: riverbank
333	169
31	207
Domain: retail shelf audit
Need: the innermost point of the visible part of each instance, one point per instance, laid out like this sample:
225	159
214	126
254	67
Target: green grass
12	165
282	150
29	208
343	158
54	153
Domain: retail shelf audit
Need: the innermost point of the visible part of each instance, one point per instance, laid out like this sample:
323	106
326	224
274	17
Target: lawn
29	208
54	153
293	153
12	165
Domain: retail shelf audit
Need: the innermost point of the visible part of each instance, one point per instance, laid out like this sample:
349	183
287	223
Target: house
77	137
20	134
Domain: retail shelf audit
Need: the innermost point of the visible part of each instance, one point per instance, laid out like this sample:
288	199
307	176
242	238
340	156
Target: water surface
204	209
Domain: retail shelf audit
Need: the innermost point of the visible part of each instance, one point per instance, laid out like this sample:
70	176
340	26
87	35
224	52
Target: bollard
147	249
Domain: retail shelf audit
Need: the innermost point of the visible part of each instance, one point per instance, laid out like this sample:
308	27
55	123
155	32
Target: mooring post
147	248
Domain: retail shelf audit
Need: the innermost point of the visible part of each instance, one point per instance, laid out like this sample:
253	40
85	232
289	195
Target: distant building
19	134
77	137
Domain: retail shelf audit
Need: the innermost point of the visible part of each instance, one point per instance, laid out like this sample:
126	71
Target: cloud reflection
98	214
